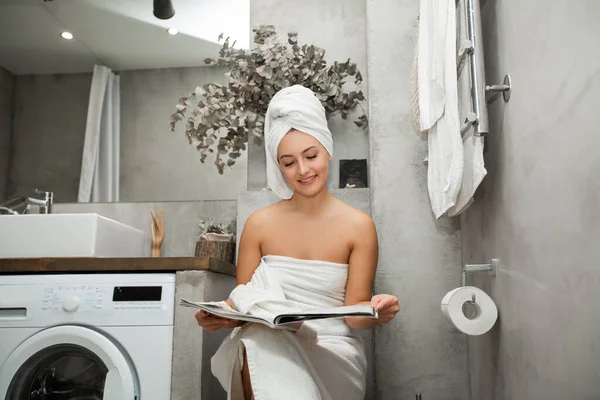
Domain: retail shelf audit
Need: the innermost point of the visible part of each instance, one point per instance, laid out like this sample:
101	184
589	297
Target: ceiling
121	34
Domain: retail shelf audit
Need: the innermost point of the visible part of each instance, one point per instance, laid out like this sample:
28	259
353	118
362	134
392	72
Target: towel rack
473	49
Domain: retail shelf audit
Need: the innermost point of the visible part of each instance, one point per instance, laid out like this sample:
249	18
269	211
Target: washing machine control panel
71	298
146	299
85	297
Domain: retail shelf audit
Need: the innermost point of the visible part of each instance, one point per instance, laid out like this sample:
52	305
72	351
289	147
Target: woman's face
304	163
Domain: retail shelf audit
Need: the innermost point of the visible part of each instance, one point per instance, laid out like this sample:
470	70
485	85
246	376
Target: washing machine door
67	363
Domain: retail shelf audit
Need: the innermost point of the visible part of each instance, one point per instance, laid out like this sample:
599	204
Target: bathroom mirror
48	51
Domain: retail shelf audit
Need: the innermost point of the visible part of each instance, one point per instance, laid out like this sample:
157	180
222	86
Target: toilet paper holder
491	268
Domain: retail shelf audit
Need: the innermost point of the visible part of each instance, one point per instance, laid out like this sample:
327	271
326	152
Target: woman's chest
308	240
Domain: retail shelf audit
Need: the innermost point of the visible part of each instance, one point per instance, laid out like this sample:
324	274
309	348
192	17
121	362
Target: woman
308	250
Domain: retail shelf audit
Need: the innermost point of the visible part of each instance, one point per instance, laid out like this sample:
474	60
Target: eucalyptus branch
220	118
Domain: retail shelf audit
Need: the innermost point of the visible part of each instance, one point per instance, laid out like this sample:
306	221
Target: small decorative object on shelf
353	174
216	241
158	232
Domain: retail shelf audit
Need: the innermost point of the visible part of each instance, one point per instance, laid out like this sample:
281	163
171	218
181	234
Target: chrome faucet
21	205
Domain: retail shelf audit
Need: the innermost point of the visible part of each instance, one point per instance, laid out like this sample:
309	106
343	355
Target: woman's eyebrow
304	151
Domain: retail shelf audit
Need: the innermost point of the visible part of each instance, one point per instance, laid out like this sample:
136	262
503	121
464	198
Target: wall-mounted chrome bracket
497	89
491	268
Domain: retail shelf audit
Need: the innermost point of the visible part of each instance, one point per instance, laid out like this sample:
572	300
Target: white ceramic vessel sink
68	235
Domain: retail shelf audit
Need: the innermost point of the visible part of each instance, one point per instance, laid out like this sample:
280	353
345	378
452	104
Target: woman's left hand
387	307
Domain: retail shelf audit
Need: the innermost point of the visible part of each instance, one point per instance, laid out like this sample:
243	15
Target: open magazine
222	309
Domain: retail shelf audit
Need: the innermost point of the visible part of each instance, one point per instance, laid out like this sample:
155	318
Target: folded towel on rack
474	167
438	102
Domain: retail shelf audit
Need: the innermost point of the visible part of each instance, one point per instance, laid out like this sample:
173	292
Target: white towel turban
294	107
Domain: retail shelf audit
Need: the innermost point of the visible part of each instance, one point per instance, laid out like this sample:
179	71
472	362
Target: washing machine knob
71	303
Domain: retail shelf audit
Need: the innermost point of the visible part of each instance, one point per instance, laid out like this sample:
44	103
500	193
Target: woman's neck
311	205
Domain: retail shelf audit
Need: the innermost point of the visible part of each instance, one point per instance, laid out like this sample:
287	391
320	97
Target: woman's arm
249	251
361	276
361	269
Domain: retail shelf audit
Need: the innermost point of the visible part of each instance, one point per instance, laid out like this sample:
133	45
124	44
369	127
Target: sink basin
69	235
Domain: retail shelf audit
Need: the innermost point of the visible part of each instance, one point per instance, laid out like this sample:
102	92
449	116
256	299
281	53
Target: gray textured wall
156	164
538	209
7	84
181	219
420	258
192	378
48	132
339	27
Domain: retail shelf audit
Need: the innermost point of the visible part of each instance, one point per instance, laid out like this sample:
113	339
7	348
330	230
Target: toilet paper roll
484	310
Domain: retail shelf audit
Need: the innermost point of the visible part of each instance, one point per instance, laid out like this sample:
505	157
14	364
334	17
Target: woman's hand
213	323
386	306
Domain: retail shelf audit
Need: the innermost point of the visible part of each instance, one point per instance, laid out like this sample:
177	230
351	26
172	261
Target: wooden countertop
98	264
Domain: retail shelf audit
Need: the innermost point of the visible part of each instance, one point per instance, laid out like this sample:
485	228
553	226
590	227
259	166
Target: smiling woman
305	171
299	145
315	251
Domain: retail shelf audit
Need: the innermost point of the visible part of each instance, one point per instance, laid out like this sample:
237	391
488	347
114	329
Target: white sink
69	235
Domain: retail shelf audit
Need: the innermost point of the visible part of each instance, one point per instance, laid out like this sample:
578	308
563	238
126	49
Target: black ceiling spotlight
163	9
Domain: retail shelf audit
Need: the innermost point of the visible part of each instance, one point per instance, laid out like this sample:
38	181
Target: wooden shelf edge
101	264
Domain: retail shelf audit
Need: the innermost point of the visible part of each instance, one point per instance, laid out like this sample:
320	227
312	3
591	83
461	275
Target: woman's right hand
213	323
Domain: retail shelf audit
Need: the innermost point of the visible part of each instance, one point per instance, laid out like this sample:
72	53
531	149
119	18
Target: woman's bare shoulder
261	217
354	216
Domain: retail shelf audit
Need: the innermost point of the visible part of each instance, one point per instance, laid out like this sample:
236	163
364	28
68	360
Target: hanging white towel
438	102
323	360
474	165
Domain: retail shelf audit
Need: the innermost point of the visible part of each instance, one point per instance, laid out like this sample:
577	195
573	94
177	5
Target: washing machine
88	336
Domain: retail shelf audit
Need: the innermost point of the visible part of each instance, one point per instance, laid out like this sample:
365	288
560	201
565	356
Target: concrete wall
538	209
181	219
48	131
193	347
339	27
420	258
7	84
156	164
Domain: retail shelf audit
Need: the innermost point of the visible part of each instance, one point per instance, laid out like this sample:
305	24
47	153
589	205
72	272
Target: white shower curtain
99	179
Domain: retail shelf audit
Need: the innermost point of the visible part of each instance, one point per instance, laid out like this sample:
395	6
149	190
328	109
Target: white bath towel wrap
438	102
323	360
294	107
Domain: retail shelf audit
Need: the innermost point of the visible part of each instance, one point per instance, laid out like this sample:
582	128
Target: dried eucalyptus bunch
221	118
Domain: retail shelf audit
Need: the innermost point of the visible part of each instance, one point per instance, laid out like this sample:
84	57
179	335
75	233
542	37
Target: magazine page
222	309
359	311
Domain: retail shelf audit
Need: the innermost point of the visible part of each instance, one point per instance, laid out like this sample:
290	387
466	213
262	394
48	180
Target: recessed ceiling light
66	35
172	31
